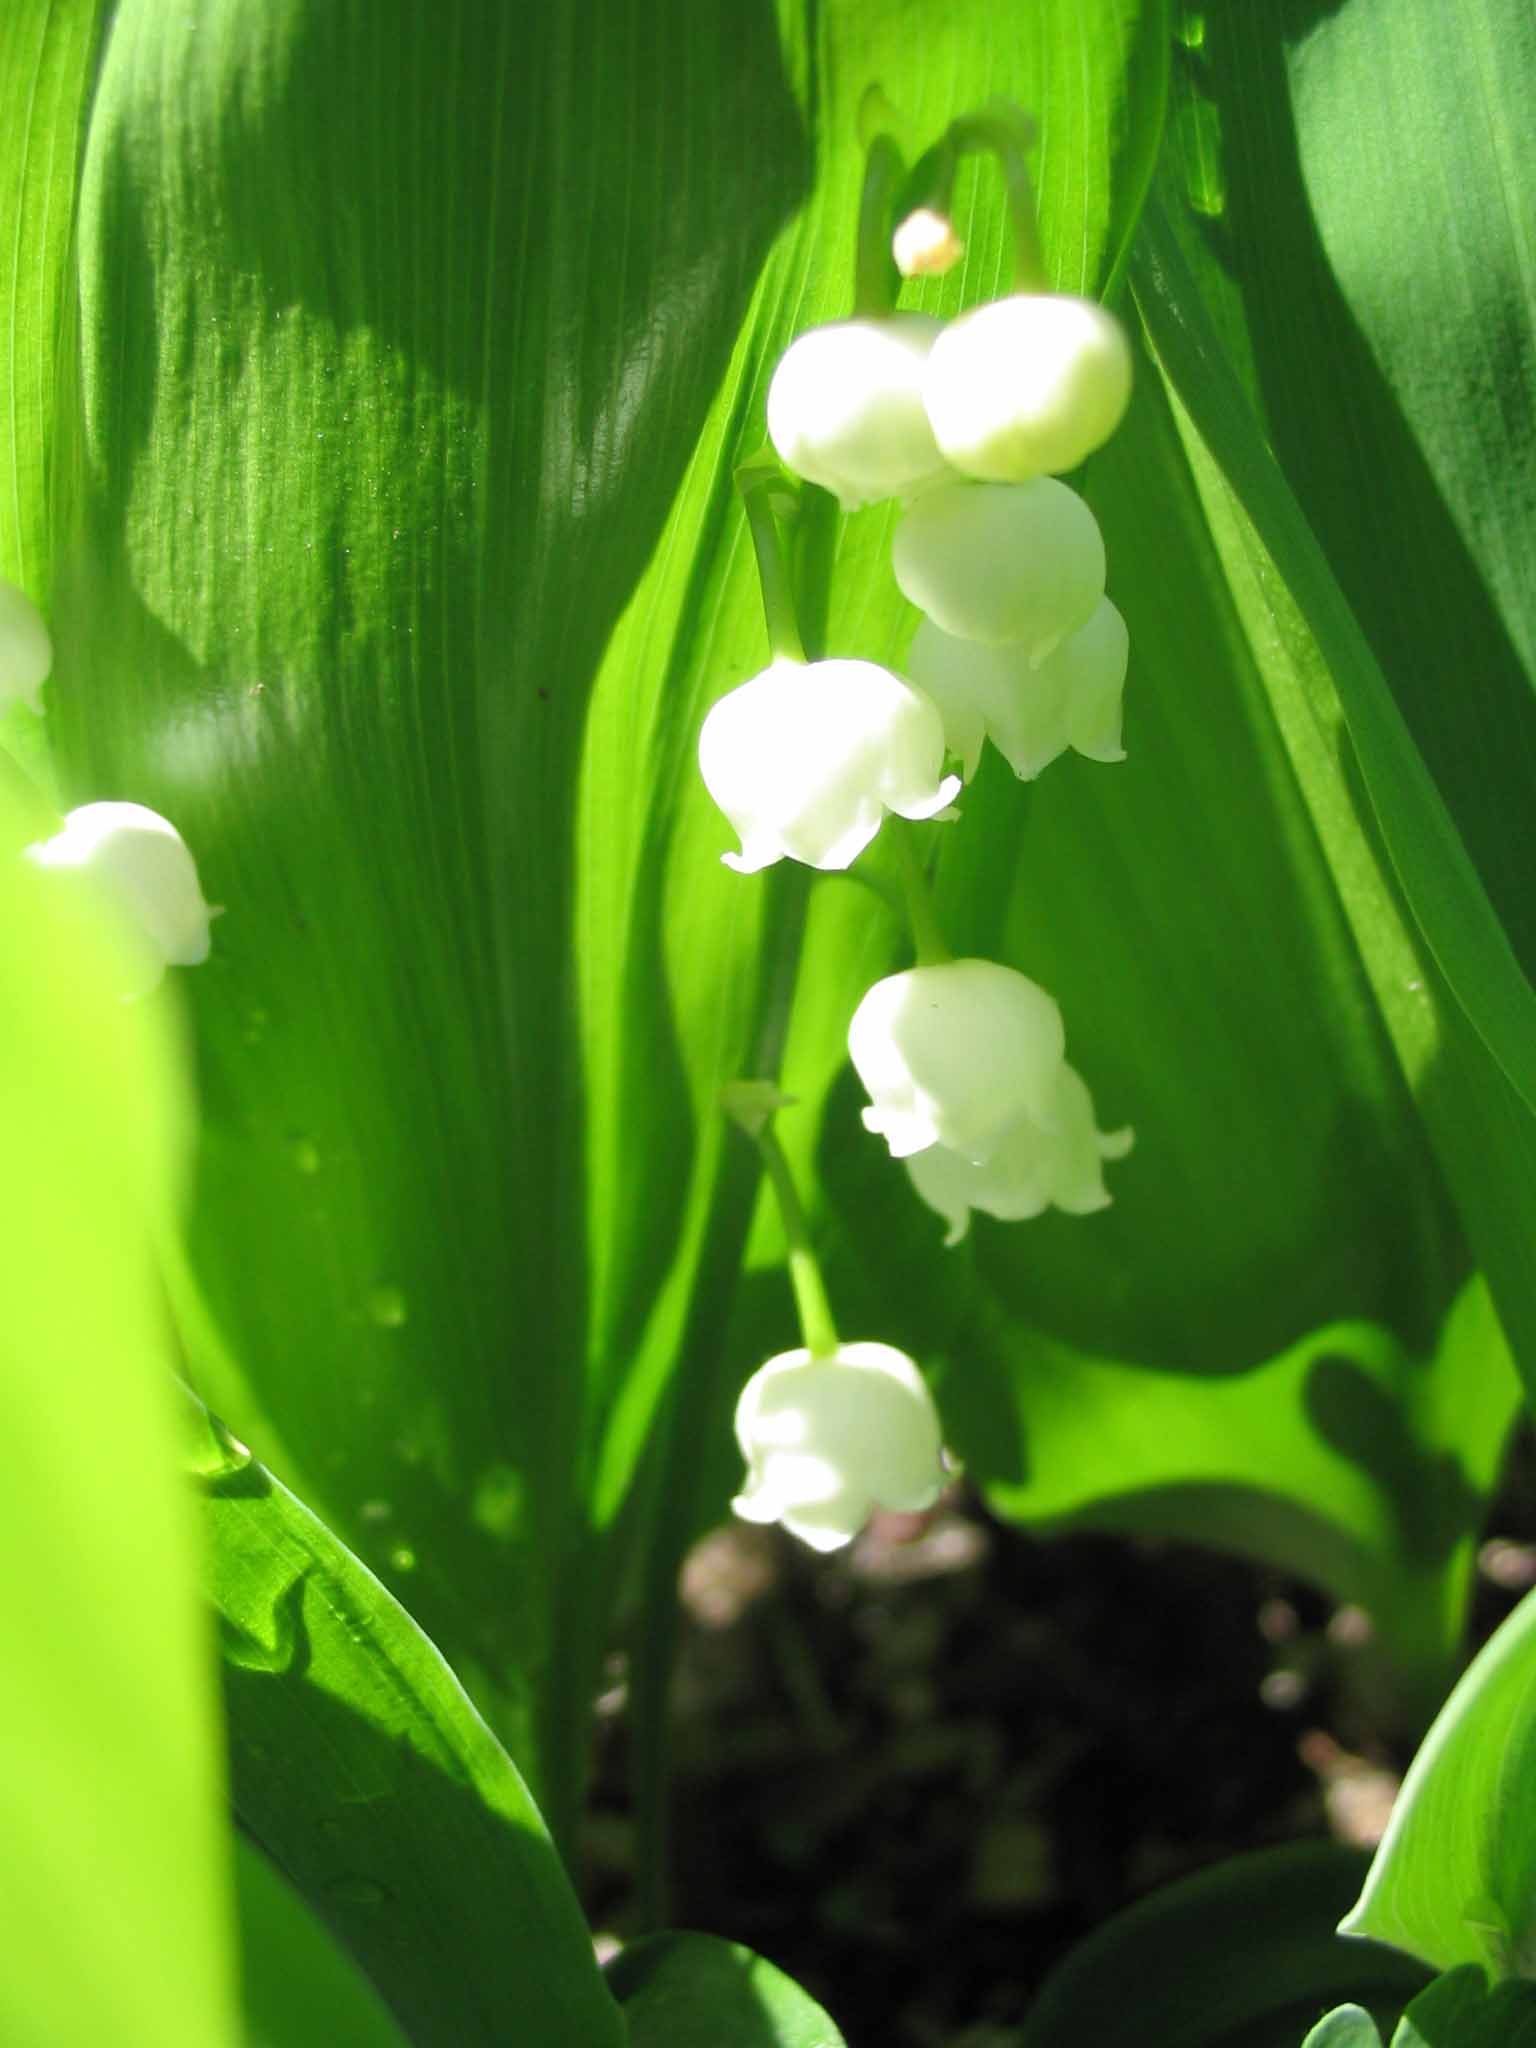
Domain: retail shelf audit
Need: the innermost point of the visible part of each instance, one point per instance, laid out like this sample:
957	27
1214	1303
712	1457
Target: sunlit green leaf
114	1882
696	1991
1347	2026
1454	1880
360	1766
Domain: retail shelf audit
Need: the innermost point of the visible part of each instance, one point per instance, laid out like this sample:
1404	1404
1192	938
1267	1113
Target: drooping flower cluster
969	426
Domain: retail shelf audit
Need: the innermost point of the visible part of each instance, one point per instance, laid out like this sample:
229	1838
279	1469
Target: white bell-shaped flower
954	1054
1028	386
806	759
137	860
829	1440
26	651
845	408
1033	1167
1020	563
1031	713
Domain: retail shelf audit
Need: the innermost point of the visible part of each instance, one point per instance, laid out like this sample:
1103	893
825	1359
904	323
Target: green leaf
47	50
1461	2011
360	1766
1454	1880
114	1882
1240	1956
1383	332
300	1990
1347	2026
696	1991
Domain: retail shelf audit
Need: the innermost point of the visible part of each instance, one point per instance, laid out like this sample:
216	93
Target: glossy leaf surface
1454	1880
360	1766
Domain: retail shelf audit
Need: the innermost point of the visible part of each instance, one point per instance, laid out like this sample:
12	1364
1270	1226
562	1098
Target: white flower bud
806	759
1030	713
26	651
1028	386
845	408
1002	562
828	1440
1033	1166
954	1054
138	861
925	244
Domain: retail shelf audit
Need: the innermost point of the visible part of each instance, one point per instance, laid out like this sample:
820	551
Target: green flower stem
928	941
751	1105
759	483
875	278
931	181
1009	133
818	1332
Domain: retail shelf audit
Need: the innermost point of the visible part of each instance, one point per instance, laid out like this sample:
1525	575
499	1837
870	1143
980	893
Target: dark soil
917	1773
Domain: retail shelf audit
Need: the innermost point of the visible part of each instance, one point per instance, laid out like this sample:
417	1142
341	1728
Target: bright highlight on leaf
1031	711
1002	562
828	1440
26	649
845	408
806	759
1028	386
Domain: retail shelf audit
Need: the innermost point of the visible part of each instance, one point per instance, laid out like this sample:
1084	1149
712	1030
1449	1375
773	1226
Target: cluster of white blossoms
122	855
969	426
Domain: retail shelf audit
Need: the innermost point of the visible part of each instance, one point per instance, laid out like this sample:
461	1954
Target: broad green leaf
300	1991
1384	333
360	1766
1462	2011
1454	1880
696	1991
418	666
1316	666
114	1882
1240	1956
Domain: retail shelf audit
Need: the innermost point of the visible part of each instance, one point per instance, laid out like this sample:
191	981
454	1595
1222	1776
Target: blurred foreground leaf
113	1883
